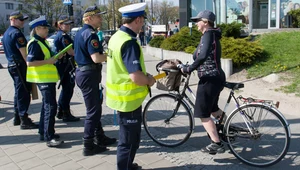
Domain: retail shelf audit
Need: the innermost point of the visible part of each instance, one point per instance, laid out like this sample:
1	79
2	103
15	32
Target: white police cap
133	10
40	21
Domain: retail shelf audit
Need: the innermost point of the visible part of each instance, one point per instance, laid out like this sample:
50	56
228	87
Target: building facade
255	14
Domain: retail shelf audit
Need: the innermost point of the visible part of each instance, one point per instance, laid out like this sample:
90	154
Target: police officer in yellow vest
127	81
42	72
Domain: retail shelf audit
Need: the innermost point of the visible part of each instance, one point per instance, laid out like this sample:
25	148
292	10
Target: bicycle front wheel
263	140
167	120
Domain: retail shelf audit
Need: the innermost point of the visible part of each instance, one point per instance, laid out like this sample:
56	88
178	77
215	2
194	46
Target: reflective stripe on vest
121	93
42	74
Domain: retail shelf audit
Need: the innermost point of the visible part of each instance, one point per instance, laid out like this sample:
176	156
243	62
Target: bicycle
255	132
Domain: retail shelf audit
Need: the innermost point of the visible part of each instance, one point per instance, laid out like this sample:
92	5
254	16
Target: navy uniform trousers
67	84
49	109
129	137
22	97
88	82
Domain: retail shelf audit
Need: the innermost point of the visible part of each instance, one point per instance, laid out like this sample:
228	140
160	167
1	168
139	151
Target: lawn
282	55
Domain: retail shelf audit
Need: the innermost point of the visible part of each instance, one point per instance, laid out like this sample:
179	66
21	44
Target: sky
175	2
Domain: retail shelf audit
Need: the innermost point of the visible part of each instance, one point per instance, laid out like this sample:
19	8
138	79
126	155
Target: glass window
9	6
20	7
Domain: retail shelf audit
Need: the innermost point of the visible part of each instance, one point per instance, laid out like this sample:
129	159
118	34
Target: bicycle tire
270	142
159	124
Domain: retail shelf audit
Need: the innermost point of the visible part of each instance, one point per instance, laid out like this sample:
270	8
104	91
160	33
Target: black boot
26	123
90	148
59	114
67	116
103	140
17	120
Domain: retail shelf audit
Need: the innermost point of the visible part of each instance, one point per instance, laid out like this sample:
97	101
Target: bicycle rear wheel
270	140
166	125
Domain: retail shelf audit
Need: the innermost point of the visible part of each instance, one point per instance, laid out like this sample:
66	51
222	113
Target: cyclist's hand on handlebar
181	66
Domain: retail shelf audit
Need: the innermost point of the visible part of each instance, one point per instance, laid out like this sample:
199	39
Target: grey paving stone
22	156
57	159
5	160
10	166
105	166
71	165
90	162
42	167
15	150
30	163
47	153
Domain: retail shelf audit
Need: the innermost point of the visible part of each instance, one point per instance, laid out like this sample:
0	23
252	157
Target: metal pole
151	12
114	17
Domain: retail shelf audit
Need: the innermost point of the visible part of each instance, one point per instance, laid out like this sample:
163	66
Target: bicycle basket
172	81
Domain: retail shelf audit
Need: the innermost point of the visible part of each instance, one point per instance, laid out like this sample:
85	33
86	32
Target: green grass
282	54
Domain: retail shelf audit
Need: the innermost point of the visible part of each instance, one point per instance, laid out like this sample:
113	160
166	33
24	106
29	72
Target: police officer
42	72
127	83
89	56
64	67
14	44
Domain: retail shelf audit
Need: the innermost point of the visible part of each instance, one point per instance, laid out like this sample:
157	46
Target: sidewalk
21	149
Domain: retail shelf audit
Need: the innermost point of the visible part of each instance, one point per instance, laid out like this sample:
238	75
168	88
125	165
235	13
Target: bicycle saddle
234	86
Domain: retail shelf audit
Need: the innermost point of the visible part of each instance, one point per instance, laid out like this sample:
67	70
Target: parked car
1	45
74	31
51	42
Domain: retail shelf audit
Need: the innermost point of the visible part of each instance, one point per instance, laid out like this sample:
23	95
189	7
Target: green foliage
182	39
241	51
190	49
231	30
156	41
295	18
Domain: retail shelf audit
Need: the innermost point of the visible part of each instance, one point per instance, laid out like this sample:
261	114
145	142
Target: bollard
226	65
115	118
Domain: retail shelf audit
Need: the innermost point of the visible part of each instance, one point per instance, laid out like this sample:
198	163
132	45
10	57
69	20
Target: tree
52	9
163	13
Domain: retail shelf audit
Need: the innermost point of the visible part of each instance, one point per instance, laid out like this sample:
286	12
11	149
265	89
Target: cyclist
211	77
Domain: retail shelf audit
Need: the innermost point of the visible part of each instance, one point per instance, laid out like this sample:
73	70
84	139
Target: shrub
295	18
241	51
231	30
182	39
156	41
190	49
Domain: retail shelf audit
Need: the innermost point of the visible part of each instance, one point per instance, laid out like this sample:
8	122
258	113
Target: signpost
69	3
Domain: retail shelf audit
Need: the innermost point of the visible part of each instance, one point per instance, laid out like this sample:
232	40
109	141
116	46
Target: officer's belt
90	67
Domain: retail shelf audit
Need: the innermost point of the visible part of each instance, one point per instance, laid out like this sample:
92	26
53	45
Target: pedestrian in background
142	37
65	67
127	83
175	30
100	35
89	56
207	61
14	43
42	71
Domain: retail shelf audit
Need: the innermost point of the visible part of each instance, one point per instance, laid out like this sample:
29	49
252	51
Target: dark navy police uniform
128	144
13	39
88	77
61	41
49	104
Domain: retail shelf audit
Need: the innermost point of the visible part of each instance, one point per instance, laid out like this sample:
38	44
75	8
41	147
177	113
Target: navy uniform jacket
61	41
34	50
13	39
86	43
131	52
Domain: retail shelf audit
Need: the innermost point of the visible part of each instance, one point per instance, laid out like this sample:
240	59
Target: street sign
67	2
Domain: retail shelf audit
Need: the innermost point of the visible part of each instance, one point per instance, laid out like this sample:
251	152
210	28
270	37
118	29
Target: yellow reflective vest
42	74
121	93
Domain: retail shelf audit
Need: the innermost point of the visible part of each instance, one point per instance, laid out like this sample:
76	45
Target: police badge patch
21	40
95	43
66	42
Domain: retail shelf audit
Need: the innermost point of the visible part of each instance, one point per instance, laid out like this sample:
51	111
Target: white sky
175	2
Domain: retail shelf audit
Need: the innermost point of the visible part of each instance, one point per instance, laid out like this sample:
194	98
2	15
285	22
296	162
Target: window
20	7
7	17
9	6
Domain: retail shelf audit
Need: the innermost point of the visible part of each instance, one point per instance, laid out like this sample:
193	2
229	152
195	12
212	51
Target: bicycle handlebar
169	70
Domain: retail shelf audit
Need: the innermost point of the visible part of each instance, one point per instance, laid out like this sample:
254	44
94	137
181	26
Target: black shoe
70	118
17	120
103	140
135	166
90	148
55	136
26	123
54	143
59	114
213	148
